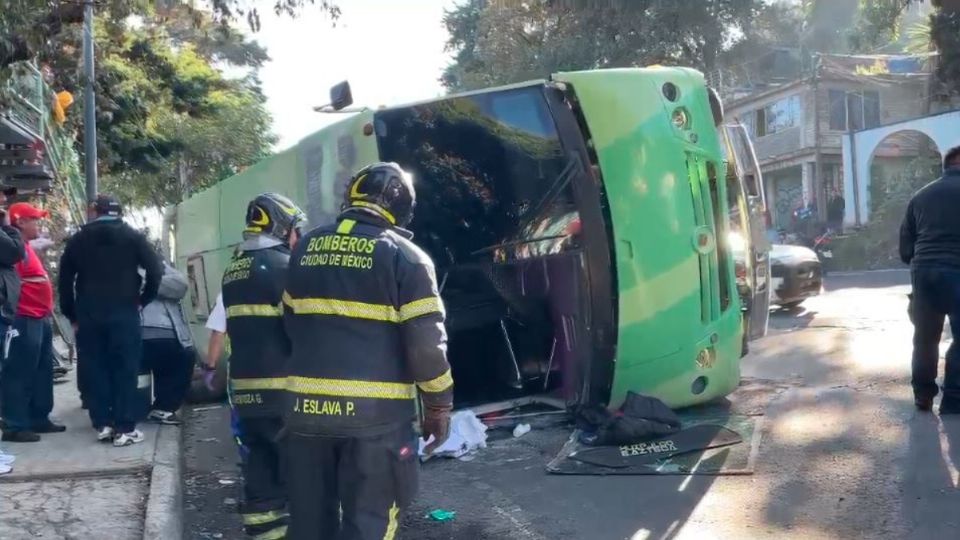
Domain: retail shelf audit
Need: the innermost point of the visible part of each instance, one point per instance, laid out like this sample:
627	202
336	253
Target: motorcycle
822	247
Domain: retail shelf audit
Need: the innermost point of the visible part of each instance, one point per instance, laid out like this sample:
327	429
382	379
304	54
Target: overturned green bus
578	226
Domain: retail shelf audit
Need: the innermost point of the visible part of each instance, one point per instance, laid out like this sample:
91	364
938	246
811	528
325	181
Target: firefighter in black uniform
252	289
366	327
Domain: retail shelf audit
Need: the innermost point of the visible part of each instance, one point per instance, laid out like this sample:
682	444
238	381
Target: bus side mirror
340	96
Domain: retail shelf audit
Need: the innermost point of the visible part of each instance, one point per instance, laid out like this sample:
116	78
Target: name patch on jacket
324	407
340	250
238	269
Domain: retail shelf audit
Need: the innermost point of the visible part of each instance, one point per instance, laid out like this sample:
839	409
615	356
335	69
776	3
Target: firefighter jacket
366	327
252	289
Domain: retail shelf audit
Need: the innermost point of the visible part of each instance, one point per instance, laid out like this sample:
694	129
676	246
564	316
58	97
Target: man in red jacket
26	389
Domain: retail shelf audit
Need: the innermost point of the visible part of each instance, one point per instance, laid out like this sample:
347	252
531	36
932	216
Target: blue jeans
26	387
936	295
110	346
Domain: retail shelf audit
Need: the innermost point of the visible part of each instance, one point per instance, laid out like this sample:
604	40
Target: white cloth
6	462
467	433
217	321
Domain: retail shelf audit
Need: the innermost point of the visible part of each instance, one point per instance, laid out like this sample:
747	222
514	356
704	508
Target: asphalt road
843	452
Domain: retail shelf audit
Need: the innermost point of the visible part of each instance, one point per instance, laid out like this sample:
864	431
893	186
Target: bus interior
497	213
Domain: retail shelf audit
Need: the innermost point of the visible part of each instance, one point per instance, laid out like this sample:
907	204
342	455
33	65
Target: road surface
843	453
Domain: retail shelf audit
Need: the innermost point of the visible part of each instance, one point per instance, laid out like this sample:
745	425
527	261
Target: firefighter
366	327
252	288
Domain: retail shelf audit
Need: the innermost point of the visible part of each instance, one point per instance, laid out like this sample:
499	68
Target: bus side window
199	298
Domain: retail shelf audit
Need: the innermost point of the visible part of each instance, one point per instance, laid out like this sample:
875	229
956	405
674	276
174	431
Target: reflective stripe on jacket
252	289
366	325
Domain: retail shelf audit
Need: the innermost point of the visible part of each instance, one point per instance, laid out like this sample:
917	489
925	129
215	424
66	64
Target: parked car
796	274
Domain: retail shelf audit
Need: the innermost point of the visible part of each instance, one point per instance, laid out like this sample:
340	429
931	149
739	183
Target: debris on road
441	515
467	434
521	430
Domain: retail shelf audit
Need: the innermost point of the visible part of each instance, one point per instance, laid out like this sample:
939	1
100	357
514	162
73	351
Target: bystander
168	347
101	293
26	390
930	244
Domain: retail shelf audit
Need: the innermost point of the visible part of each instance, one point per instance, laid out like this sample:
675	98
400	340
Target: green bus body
581	222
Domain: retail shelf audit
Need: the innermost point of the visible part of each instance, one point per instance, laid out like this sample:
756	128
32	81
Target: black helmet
275	215
385	189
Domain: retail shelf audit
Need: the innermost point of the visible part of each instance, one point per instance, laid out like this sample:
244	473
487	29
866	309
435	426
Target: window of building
774	118
854	110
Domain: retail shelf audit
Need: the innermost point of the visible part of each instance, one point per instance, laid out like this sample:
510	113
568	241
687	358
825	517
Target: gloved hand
208	374
436	422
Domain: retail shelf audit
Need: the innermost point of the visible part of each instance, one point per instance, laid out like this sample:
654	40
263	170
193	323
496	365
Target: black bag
640	418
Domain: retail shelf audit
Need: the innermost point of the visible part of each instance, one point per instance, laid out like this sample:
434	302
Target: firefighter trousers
371	479
264	508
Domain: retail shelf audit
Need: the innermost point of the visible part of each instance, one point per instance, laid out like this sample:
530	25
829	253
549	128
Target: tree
168	121
880	22
29	28
507	42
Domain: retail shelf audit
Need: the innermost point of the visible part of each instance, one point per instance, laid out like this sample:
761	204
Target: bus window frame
600	302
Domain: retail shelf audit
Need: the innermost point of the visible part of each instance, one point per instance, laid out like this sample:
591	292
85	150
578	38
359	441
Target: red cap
22	210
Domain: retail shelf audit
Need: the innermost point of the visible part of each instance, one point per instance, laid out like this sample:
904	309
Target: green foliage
945	34
504	42
876	245
168	120
232	10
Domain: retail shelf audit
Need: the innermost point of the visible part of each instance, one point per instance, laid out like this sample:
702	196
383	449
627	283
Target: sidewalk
69	486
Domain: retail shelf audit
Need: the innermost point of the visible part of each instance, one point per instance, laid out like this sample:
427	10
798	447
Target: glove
436	423
208	374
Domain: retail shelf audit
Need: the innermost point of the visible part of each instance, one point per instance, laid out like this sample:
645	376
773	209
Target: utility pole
89	109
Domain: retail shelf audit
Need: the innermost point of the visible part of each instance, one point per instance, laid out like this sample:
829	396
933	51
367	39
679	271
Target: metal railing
27	99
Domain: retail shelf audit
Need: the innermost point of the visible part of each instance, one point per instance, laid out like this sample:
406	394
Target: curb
164	516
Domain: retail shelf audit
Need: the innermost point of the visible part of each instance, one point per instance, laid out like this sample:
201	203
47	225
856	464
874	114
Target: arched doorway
901	163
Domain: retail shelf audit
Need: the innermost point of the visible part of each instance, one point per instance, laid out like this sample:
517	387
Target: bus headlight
680	118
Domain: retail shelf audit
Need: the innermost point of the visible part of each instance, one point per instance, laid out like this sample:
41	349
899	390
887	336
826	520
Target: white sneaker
105	434
126	439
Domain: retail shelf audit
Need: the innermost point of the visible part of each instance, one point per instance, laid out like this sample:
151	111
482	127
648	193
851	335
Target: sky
391	52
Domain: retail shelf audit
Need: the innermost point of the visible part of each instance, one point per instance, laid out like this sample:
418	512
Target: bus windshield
484	165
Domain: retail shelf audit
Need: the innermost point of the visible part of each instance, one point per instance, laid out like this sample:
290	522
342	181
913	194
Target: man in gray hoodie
168	350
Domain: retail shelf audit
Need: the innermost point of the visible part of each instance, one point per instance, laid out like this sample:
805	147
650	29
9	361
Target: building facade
798	127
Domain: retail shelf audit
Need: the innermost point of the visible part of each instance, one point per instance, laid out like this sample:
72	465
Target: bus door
754	268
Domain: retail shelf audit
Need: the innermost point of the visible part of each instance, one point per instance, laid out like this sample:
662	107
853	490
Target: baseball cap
22	210
107	205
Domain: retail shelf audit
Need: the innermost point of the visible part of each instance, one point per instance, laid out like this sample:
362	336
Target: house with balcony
798	126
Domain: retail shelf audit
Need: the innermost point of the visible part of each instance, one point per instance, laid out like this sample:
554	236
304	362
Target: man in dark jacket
366	326
12	251
101	292
930	244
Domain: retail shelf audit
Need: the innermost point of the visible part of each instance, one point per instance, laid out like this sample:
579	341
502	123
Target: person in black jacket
12	251
101	293
930	244
252	288
366	327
